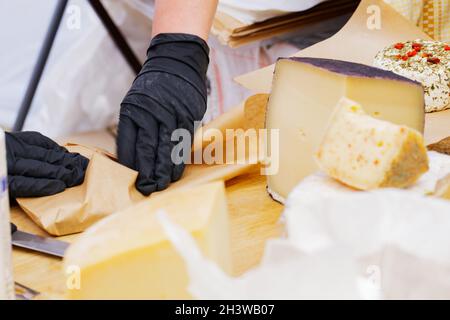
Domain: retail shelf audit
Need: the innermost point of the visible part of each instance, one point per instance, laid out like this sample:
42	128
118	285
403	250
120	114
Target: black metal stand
116	35
40	65
49	40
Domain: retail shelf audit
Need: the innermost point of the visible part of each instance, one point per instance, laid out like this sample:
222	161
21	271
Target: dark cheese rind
352	69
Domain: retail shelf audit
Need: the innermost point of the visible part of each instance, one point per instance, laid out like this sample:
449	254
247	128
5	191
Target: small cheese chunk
304	94
443	188
367	153
127	255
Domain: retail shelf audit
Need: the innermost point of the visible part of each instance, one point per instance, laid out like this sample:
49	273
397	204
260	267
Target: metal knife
25	293
37	243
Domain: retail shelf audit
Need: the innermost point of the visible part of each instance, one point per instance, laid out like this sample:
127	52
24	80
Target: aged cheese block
304	94
427	62
367	153
127	255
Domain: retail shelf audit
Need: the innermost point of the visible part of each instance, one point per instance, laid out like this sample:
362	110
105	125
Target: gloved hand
38	166
169	93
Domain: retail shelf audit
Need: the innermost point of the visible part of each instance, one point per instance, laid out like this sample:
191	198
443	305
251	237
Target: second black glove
168	94
38	166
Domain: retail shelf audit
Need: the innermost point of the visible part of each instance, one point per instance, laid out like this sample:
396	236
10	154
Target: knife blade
37	243
25	293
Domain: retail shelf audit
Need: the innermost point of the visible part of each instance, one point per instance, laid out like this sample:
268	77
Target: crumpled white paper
285	272
342	244
403	234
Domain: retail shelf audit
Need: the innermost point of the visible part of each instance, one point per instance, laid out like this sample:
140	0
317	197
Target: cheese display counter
334	110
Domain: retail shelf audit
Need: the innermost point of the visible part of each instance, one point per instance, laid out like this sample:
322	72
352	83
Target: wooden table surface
253	214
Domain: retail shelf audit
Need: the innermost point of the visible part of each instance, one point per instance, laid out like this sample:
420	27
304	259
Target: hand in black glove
169	93
38	166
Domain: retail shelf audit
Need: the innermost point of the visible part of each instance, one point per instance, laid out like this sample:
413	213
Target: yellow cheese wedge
304	94
128	256
366	153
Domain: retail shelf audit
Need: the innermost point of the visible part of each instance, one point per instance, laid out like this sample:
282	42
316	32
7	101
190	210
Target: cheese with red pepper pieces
367	153
427	62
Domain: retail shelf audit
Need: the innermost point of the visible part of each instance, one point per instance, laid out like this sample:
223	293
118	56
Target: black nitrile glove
169	93
38	166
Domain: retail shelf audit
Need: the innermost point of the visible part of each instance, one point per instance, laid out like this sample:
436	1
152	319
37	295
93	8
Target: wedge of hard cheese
304	94
127	255
366	153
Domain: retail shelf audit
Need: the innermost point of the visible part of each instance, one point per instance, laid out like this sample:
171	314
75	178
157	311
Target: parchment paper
110	187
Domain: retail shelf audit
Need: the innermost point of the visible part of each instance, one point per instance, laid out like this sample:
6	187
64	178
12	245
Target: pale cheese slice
304	94
366	153
128	256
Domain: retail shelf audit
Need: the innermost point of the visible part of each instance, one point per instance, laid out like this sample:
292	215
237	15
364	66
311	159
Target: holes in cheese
367	153
127	255
304	94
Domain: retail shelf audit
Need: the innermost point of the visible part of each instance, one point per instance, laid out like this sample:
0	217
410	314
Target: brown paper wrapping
234	33
110	187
